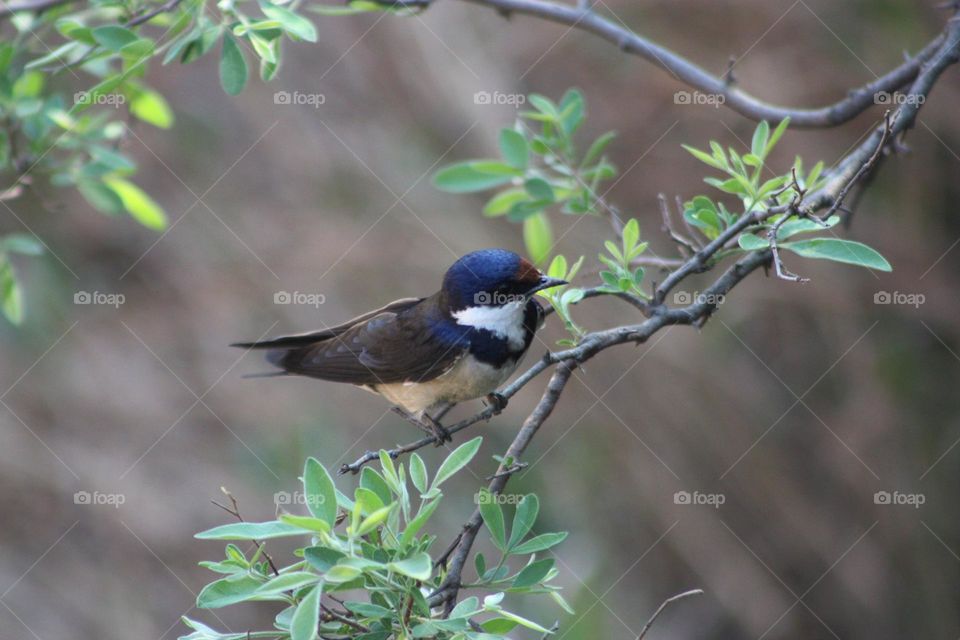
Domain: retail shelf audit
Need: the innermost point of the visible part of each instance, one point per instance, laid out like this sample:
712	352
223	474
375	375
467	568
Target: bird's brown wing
381	347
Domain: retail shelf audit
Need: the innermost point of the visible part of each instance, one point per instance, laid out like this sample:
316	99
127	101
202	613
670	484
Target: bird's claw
497	402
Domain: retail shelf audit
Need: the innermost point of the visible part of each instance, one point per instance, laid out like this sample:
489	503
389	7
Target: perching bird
426	354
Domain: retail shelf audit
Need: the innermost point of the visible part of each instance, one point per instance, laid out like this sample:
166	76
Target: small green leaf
777	133
21	243
138	204
457	460
493	517
465	177
151	107
287	582
418	566
113	37
303	625
704	157
418	473
523	519
804	225
838	250
513	148
11	296
320	491
504	201
233	67
761	135
251	531
537	237
533	573
227	591
598	147
292	23
540	543
752	242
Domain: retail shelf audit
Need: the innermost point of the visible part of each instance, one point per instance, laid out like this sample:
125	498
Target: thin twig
663	605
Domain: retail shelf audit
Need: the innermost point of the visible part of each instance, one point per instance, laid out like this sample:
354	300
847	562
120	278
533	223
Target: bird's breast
468	379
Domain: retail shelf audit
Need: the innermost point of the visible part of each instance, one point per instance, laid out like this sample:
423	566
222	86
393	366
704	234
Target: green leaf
493	517
537	237
251	531
292	23
138	204
457	460
704	157
303	625
540	543
418	473
539	189
151	107
504	201
113	37
804	225
465	177
11	296
371	479
305	522
533	573
415	525
227	591
513	148
21	243
523	519
777	133
322	558
418	566
598	147
761	135
320	492
101	197
287	582
752	242
233	67
838	250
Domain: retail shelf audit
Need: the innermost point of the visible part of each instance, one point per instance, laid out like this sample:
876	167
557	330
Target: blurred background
793	406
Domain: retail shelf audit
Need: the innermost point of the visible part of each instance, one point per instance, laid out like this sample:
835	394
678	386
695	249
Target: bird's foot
497	402
428	425
440	432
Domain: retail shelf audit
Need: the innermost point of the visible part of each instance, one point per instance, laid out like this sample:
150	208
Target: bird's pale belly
468	379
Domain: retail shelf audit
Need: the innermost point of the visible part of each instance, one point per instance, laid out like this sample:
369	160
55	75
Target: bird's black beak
547	282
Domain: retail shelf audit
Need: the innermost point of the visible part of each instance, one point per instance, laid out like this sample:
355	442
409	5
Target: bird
425	355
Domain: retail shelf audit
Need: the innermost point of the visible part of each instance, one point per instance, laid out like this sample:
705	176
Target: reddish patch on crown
527	273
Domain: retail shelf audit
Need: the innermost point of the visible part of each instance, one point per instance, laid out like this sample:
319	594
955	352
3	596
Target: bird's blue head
492	278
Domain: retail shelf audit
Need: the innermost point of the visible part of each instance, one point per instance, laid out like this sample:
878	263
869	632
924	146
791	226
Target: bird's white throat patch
505	321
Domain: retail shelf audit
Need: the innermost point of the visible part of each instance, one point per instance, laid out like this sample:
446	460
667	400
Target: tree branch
857	101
